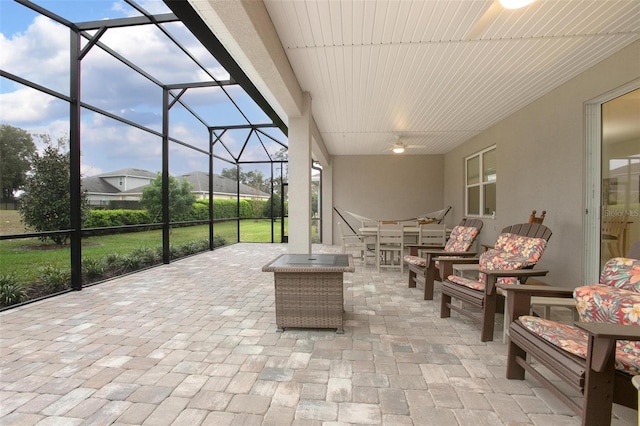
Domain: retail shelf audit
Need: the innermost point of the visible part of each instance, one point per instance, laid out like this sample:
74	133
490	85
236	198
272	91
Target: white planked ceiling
379	69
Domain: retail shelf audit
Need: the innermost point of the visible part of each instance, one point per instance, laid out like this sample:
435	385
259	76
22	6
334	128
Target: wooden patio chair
598	356
517	250
390	246
532	219
424	269
352	242
613	232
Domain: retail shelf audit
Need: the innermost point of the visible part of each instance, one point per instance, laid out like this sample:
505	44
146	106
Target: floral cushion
621	273
599	303
467	282
574	340
616	300
460	239
494	259
531	248
416	260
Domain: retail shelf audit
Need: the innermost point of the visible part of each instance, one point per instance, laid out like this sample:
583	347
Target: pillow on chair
461	238
512	252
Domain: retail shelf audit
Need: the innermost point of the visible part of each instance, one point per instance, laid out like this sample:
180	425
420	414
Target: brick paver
195	343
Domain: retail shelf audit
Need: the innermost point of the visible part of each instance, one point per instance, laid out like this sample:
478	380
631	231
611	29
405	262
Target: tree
16	149
252	178
274	201
181	198
46	203
231	174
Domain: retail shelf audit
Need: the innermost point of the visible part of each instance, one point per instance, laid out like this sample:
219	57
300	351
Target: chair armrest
611	331
494	274
447	262
519	296
456	253
515	272
602	341
536	290
453	261
414	249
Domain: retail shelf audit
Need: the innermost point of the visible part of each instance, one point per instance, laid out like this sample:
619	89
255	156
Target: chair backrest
475	223
534	230
528	249
463	236
537	219
620	272
519	246
432	234
390	234
613	226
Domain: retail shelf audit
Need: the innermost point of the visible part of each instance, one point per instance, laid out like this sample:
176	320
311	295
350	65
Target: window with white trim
480	183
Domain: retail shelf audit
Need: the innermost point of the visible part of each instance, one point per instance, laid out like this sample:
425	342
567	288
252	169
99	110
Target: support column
327	204
300	180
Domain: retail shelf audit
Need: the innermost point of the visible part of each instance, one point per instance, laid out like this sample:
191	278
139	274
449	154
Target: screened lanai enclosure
166	147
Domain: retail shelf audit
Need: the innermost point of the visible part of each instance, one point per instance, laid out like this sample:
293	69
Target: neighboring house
223	188
128	184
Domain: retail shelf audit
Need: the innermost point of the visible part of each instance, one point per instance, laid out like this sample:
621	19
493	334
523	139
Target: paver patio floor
195	342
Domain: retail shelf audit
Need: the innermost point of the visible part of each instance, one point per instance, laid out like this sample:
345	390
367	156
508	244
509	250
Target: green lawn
22	258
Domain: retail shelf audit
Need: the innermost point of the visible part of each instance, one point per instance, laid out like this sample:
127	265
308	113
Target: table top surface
311	263
374	230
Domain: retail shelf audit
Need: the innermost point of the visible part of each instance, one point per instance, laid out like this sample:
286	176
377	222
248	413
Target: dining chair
432	234
613	228
390	246
352	242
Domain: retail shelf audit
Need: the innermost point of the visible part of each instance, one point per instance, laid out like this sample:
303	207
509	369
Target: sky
36	48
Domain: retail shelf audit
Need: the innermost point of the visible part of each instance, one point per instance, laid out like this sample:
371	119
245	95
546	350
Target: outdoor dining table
308	289
410	232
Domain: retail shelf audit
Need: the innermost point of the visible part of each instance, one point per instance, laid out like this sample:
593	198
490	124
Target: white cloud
88	170
25	106
40	54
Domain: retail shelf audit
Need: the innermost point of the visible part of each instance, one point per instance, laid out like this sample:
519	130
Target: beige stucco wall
387	186
540	160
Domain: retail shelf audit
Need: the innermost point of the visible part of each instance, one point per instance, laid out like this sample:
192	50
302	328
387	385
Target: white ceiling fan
399	146
492	12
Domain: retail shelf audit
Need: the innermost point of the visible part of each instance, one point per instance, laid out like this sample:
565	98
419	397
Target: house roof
221	184
199	180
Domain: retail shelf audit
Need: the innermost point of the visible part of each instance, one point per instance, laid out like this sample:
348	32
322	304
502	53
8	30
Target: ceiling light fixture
515	4
398	148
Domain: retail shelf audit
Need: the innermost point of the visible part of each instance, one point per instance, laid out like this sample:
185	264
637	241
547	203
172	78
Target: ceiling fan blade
485	20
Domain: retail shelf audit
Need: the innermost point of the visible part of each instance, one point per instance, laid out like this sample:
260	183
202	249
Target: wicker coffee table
309	289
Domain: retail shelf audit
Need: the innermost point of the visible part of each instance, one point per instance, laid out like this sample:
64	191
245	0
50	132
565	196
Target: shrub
224	209
130	263
200	210
105	218
54	279
147	256
11	292
93	269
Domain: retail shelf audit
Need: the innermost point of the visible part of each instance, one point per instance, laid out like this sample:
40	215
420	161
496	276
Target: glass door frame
593	179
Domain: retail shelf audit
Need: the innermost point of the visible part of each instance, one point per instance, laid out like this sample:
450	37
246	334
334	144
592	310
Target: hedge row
222	209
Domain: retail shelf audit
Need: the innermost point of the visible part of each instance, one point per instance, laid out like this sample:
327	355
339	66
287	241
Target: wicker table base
308	290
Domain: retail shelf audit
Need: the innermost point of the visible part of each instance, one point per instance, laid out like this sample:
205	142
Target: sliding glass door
620	175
